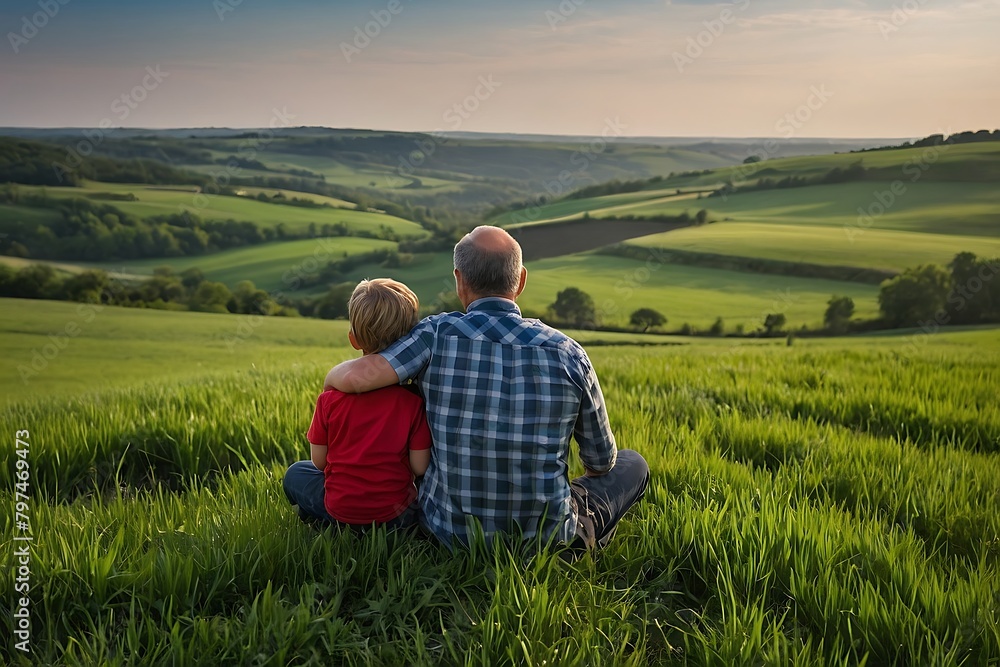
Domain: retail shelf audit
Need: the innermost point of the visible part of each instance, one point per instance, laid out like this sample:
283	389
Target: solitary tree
701	217
718	327
774	322
839	310
575	307
646	318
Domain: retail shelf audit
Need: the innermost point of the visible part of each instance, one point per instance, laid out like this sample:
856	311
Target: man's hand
357	376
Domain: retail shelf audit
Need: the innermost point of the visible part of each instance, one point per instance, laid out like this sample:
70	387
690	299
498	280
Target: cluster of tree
333	272
188	290
613	187
441	240
257	165
966	292
94	231
159	148
280	198
684	218
850	173
39	163
90	230
967	137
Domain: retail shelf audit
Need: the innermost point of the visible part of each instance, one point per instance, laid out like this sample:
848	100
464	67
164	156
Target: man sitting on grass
504	395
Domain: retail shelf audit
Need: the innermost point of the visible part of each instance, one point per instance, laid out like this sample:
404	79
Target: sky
751	68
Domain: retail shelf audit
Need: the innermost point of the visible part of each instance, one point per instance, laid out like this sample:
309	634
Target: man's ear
460	287
354	341
524	279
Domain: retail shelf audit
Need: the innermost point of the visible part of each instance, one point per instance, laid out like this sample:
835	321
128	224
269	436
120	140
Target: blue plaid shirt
504	395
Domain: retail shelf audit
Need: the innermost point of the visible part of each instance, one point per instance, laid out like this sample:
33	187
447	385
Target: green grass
620	286
687	293
962	162
271	266
162	201
932	208
608	205
24	215
829	503
319	199
872	248
119	347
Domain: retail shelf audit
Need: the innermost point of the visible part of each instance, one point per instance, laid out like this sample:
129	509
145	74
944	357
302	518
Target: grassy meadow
832	502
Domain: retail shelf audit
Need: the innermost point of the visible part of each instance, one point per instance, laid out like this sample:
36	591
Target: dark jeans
303	486
601	502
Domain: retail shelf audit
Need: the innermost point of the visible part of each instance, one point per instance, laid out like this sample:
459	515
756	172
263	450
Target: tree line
37	163
83	229
967	137
967	291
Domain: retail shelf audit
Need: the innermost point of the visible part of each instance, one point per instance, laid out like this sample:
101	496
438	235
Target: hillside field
869	248
267	264
158	200
833	502
619	286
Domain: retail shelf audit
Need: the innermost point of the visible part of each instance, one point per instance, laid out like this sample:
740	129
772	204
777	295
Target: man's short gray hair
488	272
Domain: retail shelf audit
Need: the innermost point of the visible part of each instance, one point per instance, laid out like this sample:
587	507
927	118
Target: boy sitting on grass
366	448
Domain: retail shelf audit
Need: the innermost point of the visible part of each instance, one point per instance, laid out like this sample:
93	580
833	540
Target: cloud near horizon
892	69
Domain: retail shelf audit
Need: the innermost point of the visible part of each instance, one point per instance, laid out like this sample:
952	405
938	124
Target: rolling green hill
619	286
871	248
899	215
266	265
154	200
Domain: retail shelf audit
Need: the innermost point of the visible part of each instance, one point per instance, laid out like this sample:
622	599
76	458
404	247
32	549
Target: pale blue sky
560	68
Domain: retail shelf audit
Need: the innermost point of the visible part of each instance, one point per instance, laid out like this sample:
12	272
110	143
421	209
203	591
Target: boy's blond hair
381	310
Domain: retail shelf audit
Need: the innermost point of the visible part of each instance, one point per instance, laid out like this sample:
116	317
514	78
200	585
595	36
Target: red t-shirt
367	476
